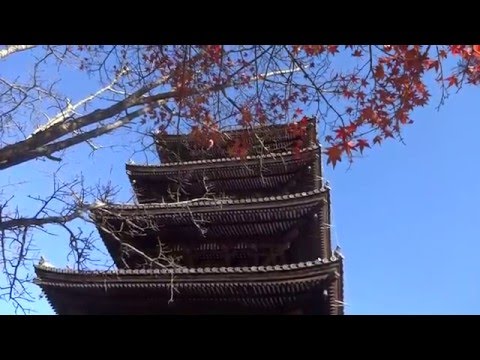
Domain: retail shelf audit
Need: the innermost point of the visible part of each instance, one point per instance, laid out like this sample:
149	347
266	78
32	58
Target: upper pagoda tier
261	140
224	232
232	177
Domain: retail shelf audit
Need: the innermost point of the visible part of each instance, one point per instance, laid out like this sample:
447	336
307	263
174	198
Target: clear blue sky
405	216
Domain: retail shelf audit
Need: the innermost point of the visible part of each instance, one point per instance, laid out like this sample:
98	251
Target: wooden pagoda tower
215	234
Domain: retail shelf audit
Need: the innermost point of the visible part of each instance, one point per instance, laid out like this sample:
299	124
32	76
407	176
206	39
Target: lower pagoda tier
309	288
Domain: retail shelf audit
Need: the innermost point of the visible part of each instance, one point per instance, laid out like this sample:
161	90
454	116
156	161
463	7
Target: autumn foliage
380	99
361	95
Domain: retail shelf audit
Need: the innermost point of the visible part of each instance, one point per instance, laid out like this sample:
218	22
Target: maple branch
440	77
371	71
318	90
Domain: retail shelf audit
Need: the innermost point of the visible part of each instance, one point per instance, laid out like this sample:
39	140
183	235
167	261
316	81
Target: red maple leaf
387	133
357	53
342	133
334	154
347	93
297	148
377	139
362	144
238	149
361	95
351	128
379	72
476	50
456	49
332	49
452	80
304	122
246	117
349	146
430	63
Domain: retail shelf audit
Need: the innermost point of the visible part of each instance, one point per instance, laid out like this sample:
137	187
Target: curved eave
302	270
317	196
195	165
254	287
262	175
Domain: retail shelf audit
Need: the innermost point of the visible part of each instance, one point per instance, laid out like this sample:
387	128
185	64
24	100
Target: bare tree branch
70	110
30	222
12	49
36	144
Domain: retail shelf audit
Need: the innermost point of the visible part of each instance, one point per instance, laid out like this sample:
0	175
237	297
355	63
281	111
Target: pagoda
214	233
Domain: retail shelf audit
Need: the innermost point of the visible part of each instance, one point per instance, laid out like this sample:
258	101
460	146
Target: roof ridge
224	159
212	202
197	270
260	127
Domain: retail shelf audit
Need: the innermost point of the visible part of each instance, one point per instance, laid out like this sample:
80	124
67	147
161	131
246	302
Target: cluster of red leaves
381	100
299	131
240	146
204	138
215	53
374	100
312	50
207	138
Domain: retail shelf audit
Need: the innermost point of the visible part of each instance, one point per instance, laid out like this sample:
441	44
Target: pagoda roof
268	139
263	174
266	220
220	162
287	201
231	289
